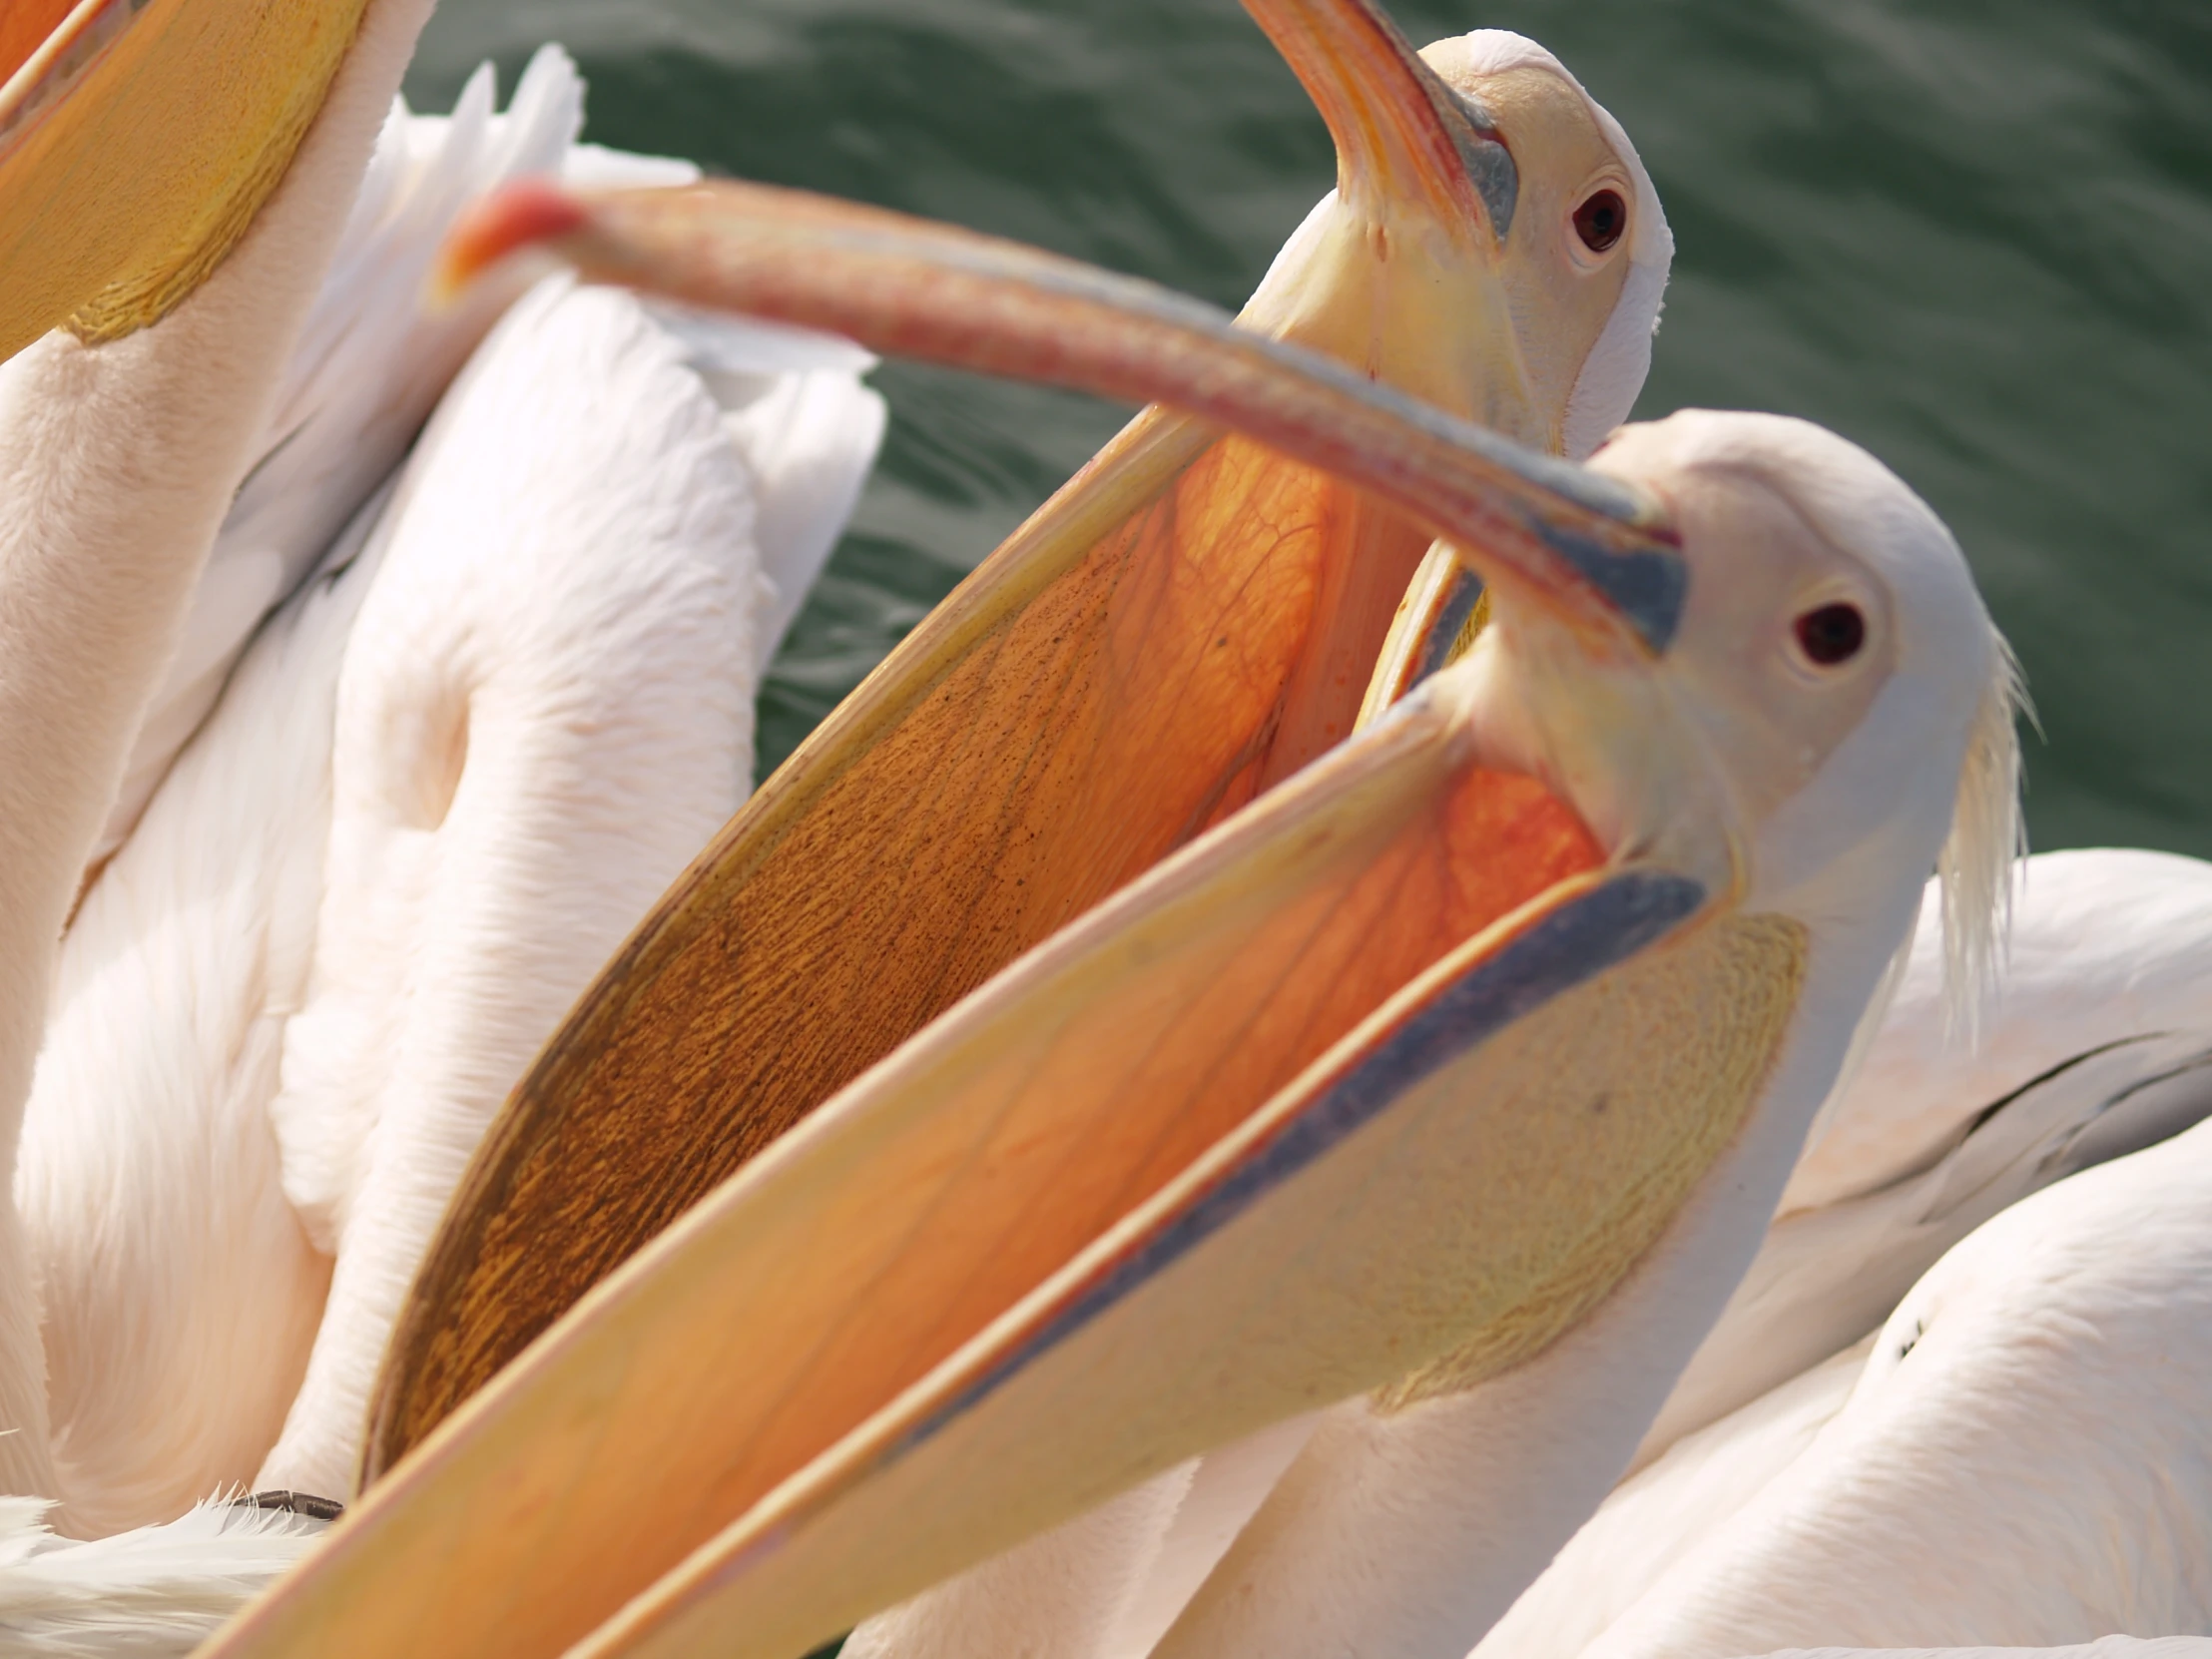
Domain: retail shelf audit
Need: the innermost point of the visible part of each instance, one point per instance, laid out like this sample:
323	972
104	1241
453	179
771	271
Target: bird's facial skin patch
1564	289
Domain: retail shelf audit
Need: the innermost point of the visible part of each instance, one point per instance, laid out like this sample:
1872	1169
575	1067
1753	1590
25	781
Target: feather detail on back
546	709
1657	1516
2095	1041
513	716
374	359
153	1593
2097	1045
379	840
794	404
180	1292
2022	1460
370	363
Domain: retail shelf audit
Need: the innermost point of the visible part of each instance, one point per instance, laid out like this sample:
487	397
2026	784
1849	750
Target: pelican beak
1388	1079
137	138
1595	552
1405	142
1189	622
1397	273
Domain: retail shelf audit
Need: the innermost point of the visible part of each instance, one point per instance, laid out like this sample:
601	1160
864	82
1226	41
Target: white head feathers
1614	372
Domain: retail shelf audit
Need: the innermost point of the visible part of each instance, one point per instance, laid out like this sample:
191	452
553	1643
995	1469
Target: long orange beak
137	138
1594	550
1406	144
1305	1110
1190	621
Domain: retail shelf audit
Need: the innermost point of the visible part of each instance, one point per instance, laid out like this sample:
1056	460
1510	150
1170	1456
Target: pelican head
1502	256
1387	1082
1831	627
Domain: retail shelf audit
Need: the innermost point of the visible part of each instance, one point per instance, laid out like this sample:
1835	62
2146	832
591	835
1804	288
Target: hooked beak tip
522	216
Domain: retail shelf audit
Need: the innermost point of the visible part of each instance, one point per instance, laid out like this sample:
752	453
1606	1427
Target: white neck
117	464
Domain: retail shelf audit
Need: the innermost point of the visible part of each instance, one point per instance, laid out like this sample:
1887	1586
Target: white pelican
2089	1046
2020	1459
1207	614
2053	1410
209	218
1401	1076
352	881
555	620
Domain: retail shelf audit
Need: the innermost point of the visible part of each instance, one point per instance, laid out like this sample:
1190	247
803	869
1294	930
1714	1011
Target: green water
1976	238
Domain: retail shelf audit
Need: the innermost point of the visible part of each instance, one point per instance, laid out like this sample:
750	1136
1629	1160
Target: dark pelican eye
1831	634
1600	219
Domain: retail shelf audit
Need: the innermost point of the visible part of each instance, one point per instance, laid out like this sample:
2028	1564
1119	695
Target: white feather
2097	1040
374	357
441	783
1659	1515
152	1593
2023	1460
370	362
546	709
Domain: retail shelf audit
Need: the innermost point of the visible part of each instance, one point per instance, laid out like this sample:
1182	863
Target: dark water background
1974	236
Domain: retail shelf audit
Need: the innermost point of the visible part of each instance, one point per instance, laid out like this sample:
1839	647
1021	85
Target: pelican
245	1072
2088	1047
181	236
1466	1065
2064	1305
242	1278
440	787
2017	1457
1206	614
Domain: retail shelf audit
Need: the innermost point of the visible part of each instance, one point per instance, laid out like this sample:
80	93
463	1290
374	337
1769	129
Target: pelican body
354	841
1308	1114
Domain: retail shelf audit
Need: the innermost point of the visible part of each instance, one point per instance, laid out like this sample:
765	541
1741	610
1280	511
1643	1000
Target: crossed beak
1304	1111
1189	623
1162	1102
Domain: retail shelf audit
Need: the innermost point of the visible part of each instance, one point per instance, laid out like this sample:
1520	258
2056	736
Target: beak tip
528	214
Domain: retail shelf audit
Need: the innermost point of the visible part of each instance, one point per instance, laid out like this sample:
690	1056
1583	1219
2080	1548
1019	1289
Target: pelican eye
1600	219
1831	634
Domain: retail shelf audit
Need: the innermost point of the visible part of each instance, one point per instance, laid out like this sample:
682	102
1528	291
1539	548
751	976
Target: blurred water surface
1973	235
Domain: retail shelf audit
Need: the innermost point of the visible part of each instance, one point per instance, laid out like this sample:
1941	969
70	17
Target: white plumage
2094	1043
2038	1475
373	359
2021	1459
145	1594
372	844
382	823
